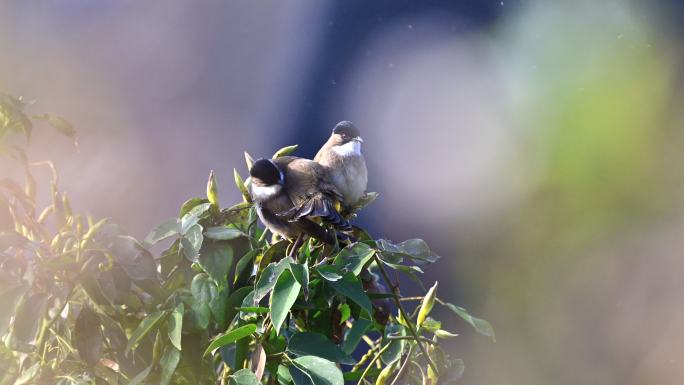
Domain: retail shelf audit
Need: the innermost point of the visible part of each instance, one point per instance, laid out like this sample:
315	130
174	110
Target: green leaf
217	305
140	377
150	323
301	274
393	353
354	335
176	326
283	374
234	301
223	233
216	259
230	337
88	336
190	204
430	325
285	151
413	248
29	316
255	309
329	273
483	327
9	296
316	344
269	278
318	370
354	257
350	287
192	242
283	297
167	229
193	216
28	375
168	362
243	377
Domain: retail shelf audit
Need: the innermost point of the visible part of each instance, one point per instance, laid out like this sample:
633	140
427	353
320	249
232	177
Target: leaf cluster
83	302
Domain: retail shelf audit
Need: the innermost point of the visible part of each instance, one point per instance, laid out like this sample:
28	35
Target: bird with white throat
342	155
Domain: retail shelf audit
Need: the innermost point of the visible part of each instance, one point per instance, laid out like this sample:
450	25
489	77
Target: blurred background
535	145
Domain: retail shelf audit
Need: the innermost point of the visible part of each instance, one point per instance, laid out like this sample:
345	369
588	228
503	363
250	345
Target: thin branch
404	314
370	364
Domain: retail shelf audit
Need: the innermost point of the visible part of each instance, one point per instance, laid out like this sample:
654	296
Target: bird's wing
311	193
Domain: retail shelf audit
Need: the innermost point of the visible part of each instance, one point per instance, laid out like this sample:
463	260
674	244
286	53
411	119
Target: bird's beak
358	139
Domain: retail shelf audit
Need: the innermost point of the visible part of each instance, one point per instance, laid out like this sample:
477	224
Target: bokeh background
535	145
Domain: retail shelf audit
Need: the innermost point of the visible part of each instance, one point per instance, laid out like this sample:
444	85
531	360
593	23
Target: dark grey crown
266	171
347	129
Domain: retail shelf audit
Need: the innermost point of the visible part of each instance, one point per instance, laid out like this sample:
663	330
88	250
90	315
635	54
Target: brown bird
290	191
341	154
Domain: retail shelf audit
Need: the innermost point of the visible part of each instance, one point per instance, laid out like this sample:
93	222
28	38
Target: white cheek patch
265	192
348	149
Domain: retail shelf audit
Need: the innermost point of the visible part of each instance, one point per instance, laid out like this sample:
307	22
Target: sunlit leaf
230	337
223	233
285	151
167	229
192	242
483	327
354	257
176	326
269	278
284	295
150	323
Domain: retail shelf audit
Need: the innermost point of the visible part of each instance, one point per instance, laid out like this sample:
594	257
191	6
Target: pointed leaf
269	278
223	233
167	229
243	377
319	370
483	327
354	257
350	287
150	323
168	362
230	337
176	326
354	335
316	344
192	242
283	297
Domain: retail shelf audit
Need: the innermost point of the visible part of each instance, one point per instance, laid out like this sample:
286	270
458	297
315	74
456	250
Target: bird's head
345	132
265	172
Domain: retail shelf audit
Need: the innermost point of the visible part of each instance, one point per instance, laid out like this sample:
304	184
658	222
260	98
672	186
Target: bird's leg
296	245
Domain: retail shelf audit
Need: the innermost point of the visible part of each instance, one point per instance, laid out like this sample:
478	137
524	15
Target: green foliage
82	302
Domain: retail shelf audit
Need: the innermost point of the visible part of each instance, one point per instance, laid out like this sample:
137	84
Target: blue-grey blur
535	145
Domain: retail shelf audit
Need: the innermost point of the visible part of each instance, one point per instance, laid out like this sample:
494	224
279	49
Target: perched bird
342	155
289	192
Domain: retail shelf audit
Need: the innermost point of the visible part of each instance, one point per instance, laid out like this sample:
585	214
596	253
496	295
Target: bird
341	154
289	192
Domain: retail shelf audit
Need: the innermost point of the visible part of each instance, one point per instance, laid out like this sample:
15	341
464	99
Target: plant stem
370	364
404	314
403	366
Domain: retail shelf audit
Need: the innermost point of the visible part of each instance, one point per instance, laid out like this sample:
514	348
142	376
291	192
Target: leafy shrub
83	302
